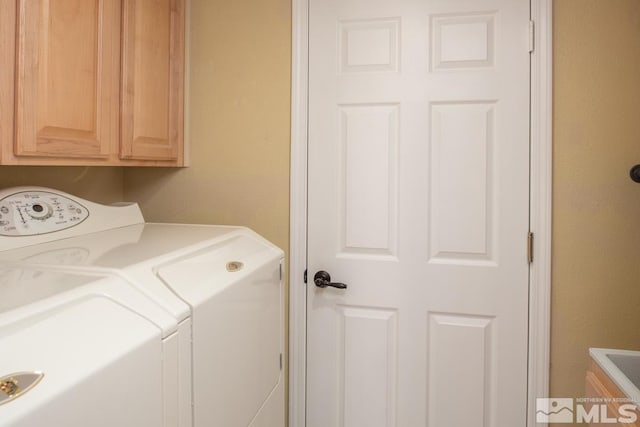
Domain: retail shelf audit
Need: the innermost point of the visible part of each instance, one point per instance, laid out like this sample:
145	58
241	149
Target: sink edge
616	375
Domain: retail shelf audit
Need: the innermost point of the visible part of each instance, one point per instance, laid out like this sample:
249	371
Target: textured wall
596	215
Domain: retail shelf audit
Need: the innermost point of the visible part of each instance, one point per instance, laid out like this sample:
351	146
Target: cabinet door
152	79
67	75
600	386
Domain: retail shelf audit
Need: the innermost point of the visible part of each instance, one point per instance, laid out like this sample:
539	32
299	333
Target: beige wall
238	123
239	174
596	215
103	185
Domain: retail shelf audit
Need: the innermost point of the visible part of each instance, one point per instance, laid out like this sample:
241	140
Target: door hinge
530	247
532	36
281	361
281	270
305	276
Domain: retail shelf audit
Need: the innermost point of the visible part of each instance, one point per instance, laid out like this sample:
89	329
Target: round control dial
39	211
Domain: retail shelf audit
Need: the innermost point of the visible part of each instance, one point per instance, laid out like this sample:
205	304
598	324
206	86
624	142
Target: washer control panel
29	213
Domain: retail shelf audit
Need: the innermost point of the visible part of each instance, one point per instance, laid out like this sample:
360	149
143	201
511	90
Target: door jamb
540	204
298	213
540	209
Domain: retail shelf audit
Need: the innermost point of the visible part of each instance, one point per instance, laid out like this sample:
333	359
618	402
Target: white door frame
540	209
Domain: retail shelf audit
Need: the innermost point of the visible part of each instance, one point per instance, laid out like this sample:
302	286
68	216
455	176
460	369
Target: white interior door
419	202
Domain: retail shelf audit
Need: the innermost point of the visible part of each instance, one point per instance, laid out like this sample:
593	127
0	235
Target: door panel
368	381
67	78
466	343
369	212
418	200
461	205
152	79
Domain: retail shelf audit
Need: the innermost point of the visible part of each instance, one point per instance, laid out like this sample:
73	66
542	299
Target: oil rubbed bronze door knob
322	279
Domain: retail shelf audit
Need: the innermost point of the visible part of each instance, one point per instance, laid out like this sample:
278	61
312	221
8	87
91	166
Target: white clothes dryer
221	285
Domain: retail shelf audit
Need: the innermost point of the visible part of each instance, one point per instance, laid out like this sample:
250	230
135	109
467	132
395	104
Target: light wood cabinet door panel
599	385
152	80
67	76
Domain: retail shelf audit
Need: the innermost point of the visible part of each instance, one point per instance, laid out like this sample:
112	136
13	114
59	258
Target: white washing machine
221	286
65	361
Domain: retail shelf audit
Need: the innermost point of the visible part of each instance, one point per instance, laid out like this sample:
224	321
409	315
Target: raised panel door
66	81
418	200
152	79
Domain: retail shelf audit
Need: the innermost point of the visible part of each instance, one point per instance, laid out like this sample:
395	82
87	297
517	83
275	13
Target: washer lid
100	364
120	248
26	291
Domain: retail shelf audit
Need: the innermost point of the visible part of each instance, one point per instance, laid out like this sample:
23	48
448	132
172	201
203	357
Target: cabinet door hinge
281	362
532	36
530	247
305	276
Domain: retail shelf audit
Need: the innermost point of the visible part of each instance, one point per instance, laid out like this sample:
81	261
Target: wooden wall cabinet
92	82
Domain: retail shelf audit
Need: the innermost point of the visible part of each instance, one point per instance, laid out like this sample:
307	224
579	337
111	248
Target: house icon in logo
554	410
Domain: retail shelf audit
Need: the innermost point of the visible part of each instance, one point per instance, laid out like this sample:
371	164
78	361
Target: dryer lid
203	274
